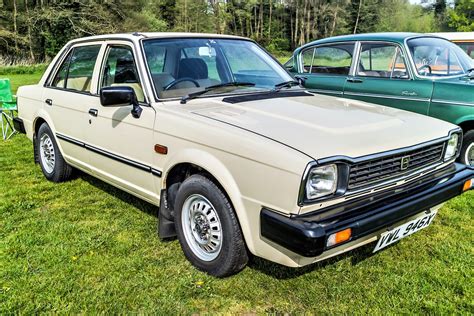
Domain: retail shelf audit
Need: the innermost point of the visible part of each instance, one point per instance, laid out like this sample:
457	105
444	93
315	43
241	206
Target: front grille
369	172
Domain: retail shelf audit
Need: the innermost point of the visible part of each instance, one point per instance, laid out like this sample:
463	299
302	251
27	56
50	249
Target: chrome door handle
354	80
48	102
93	112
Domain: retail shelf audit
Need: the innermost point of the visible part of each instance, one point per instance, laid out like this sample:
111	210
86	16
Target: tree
461	17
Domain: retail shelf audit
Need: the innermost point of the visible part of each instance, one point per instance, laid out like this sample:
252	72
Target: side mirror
120	96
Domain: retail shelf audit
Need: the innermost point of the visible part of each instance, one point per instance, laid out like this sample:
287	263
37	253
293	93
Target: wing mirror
120	96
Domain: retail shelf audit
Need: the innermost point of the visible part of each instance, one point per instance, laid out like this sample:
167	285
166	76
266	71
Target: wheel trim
47	154
202	227
469	158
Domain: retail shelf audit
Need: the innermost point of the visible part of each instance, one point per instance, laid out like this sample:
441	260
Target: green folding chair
7	108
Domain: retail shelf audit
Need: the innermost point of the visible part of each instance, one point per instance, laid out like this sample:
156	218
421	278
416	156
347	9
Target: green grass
84	246
18	80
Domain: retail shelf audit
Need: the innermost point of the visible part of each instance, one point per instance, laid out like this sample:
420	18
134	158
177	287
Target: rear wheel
52	163
467	150
207	228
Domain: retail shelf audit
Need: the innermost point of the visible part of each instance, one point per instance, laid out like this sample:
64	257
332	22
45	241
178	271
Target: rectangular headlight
452	147
321	181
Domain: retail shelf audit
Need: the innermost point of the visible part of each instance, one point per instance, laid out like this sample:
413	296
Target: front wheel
467	151
208	229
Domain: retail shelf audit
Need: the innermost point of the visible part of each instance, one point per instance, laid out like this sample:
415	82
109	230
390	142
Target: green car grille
376	170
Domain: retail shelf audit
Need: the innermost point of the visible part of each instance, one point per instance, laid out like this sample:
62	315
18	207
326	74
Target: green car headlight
321	181
452	147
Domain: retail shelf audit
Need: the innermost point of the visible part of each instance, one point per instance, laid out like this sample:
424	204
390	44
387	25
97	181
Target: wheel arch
192	162
467	124
40	118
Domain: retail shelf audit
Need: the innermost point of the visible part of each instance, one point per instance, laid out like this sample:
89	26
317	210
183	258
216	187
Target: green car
415	72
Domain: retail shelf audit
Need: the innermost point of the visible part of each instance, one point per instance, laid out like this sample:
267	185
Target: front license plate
404	230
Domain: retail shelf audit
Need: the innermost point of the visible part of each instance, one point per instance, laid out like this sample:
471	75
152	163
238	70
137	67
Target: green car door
325	68
381	76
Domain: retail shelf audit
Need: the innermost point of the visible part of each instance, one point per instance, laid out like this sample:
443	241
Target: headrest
194	68
125	71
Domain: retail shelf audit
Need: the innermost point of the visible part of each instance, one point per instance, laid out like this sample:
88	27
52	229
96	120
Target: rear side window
331	59
76	71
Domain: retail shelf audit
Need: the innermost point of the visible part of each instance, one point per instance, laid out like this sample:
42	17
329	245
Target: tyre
52	163
208	229
467	151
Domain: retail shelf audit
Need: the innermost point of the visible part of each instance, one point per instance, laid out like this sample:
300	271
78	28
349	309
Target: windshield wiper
193	95
470	72
285	84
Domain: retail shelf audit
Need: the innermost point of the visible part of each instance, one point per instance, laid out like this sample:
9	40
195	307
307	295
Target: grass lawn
84	246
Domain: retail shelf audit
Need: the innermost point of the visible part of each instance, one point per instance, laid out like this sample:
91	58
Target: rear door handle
354	80
93	112
48	102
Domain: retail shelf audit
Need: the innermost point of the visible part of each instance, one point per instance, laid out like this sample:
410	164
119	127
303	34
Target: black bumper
307	234
18	125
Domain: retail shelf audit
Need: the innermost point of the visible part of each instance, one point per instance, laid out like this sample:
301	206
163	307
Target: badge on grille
405	162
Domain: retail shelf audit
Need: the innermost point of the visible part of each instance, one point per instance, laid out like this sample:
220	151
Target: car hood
323	126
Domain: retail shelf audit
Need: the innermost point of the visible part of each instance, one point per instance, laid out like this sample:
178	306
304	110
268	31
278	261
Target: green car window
381	60
330	59
436	57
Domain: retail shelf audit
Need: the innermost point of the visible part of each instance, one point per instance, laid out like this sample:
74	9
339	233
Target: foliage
22	69
400	16
36	30
462	16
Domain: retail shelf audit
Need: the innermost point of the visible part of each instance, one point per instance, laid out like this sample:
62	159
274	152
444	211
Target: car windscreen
437	57
179	67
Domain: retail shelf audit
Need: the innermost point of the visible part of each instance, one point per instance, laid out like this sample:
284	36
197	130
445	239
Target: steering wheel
423	67
174	83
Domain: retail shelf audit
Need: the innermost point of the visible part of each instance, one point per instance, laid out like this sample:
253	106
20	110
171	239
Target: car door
325	68
68	96
381	76
121	146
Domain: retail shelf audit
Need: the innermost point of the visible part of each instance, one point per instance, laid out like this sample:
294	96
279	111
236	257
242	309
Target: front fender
218	170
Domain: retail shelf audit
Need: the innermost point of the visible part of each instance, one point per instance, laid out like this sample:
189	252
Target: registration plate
402	231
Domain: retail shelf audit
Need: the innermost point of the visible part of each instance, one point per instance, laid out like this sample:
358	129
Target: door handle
301	79
354	80
48	102
93	112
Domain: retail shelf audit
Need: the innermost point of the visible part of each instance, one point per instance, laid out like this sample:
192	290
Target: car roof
398	37
142	35
456	36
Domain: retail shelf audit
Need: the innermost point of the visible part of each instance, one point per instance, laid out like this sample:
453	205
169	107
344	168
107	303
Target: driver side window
120	70
381	60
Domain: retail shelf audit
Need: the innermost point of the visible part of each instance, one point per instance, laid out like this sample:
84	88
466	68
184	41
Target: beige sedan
238	157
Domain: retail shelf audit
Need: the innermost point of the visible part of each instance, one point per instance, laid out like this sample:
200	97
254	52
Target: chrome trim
309	46
385	96
397	44
110	155
412	62
452	102
326	91
345	161
355	59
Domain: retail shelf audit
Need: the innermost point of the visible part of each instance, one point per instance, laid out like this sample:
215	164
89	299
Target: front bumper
307	235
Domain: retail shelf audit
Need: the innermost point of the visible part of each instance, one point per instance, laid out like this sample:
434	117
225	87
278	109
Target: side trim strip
110	155
452	102
386	96
326	91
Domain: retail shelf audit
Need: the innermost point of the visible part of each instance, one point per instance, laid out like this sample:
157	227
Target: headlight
321	181
452	147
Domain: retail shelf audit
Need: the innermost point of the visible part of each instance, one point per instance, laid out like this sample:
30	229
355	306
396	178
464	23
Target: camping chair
7	108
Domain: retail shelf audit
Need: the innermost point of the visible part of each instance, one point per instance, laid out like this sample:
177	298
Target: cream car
239	158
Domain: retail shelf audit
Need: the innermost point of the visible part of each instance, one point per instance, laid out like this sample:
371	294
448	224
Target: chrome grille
375	170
